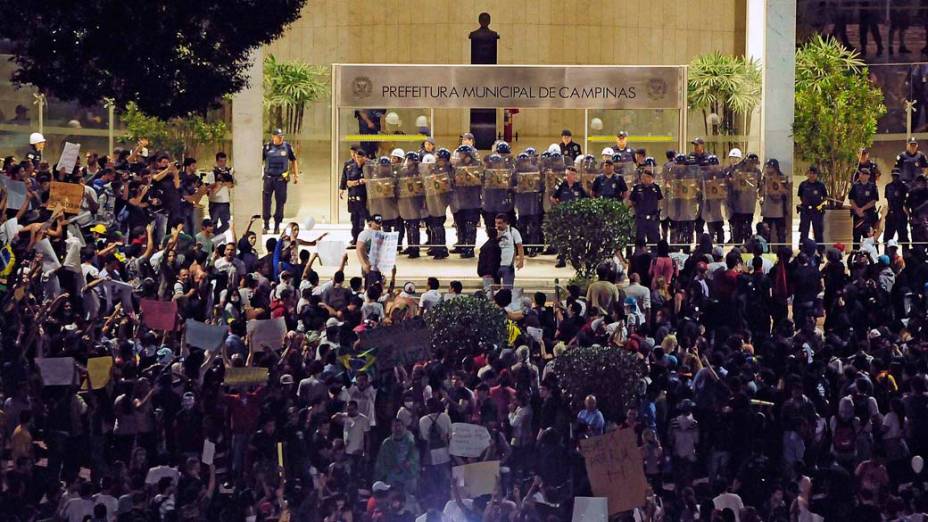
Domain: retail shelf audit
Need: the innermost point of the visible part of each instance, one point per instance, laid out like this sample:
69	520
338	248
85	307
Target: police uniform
565	192
357	196
571	150
871	166
742	198
646	198
861	194
917	205
896	220
626	154
609	186
773	208
277	160
910	165
465	201
812	195
712	205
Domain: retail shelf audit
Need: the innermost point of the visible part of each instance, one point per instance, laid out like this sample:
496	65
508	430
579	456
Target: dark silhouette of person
483	42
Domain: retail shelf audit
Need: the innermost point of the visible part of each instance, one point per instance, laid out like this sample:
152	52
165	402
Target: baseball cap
892	243
332	322
607	152
278	132
380	486
913	141
430	140
286	379
376	218
698	141
409	287
735	153
99	228
874	334
467	136
622	134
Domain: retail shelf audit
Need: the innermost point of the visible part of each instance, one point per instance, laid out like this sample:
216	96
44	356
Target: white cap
735	153
36	137
380	486
892	243
398	153
554	147
607	152
428	159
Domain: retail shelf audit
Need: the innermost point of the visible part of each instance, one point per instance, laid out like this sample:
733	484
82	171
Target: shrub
589	231
462	324
611	374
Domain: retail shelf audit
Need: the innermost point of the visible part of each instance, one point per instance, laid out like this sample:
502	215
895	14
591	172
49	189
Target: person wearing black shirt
863	198
608	184
369	122
646	197
353	181
863	162
896	218
917	205
621	148
567	190
699	156
912	162
812	195
569	148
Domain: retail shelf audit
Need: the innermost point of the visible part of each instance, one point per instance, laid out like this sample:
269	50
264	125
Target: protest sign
383	251
15	192
399	344
56	371
68	195
267	333
50	260
245	376
468	440
157	473
331	252
98	370
613	466
68	158
590	509
9	229
205	336
159	315
209	451
476	479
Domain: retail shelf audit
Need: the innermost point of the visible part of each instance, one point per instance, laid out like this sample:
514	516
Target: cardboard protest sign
267	333
382	254
398	344
209	452
205	336
468	440
68	158
15	192
68	195
590	509
245	376
57	371
614	468
476	479
98	371
331	252
159	315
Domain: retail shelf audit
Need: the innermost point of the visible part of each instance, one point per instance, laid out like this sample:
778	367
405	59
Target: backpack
845	436
436	441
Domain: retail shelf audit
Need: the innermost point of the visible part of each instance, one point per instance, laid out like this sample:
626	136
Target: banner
68	158
383	251
56	371
205	336
98	371
331	252
245	376
267	333
399	344
615	469
476	479
68	195
468	440
159	315
590	509
15	192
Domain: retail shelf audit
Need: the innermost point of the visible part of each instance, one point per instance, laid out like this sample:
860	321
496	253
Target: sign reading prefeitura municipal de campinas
489	86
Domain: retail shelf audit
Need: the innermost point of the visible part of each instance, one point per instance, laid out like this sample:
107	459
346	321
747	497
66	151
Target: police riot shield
744	188
553	171
775	190
497	175
410	191
436	181
662	179
714	193
629	172
381	190
467	184
588	171
528	187
684	193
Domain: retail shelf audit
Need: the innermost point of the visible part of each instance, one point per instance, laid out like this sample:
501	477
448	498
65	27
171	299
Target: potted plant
723	87
288	88
837	108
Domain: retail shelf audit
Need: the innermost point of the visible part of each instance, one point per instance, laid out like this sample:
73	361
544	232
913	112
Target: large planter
838	226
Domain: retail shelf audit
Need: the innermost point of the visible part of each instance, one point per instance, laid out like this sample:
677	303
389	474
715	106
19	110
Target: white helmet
554	147
36	137
735	153
607	152
428	159
398	153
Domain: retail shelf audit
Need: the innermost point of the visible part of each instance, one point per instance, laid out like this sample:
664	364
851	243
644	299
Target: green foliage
611	374
288	88
179	136
837	108
725	86
589	231
461	325
171	58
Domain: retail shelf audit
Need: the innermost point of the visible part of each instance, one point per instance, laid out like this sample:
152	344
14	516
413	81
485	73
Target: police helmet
384	160
412	156
753	157
556	155
494	158
616	158
464	149
545	155
712	159
650	162
531	151
523	156
398	153
444	154
503	148
680	159
428	159
772	163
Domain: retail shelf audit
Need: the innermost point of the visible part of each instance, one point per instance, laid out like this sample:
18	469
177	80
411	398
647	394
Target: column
247	138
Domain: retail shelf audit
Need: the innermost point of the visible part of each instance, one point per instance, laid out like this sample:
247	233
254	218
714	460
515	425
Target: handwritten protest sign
331	252
398	344
159	315
209	452
157	473
56	371
590	509
15	192
468	440
613	466
205	336
245	376
383	250
98	370
267	333
68	195
68	158
476	479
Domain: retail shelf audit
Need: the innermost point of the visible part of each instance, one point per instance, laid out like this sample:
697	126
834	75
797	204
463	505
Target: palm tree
723	86
288	88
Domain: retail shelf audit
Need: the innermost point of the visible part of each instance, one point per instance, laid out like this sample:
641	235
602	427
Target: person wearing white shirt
364	394
356	429
430	297
641	294
512	255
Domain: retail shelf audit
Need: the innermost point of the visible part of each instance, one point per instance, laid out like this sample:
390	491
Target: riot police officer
917	205
552	172
897	222
912	162
743	194
621	148
714	198
497	178
609	184
567	190
863	162
775	188
812	196
36	147
279	166
466	198
569	148
699	156
353	182
380	184
410	201
684	206
436	176
646	197
863	198
663	181
528	187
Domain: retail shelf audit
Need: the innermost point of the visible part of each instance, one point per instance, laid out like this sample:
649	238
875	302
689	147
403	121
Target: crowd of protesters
784	387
